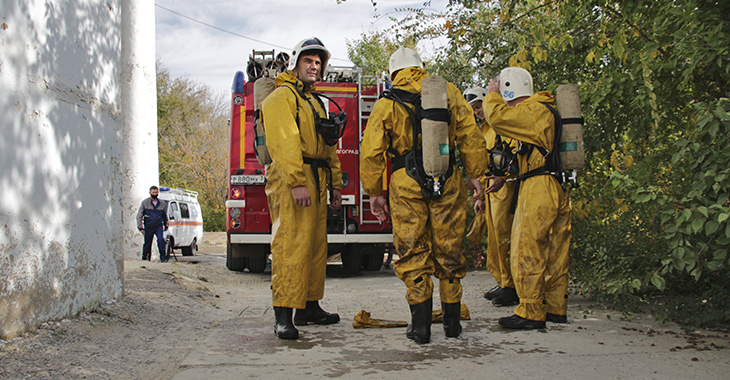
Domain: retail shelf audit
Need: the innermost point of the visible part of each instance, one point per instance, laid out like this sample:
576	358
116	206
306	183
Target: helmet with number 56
515	82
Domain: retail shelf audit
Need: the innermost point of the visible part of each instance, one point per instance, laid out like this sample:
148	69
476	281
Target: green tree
193	142
372	50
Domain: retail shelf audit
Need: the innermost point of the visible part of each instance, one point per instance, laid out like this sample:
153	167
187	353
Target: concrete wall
61	151
139	102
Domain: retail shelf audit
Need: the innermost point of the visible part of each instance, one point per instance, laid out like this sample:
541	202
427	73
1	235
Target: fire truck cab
352	230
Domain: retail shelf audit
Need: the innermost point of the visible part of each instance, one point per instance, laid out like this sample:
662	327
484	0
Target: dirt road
197	320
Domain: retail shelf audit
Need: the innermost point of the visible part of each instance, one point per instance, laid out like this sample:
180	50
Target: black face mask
153	196
333	128
501	159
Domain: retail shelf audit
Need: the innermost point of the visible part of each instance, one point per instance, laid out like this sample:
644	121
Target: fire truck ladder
366	103
365	106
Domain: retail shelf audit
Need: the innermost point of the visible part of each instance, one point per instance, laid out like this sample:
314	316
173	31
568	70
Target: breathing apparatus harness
331	129
553	165
412	161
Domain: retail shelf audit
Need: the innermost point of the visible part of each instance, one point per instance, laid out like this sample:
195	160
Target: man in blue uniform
151	221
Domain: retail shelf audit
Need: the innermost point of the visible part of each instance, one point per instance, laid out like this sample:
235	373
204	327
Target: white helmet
312	44
474	94
402	58
515	82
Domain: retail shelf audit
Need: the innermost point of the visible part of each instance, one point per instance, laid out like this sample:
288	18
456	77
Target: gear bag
412	161
261	89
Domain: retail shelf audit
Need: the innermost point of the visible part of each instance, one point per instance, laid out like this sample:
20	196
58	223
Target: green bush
214	219
665	241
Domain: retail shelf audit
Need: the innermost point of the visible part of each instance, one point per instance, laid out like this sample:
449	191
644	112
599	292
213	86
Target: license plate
248	179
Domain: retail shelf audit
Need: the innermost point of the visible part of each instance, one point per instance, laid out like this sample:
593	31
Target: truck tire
256	264
237	264
372	262
189	251
372	256
351	259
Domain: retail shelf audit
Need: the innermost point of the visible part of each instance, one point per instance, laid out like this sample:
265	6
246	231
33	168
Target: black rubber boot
507	297
314	314
452	316
518	323
556	318
491	293
283	328
420	327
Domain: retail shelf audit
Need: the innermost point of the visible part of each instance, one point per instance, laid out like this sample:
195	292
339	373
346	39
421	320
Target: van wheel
189	251
237	264
256	264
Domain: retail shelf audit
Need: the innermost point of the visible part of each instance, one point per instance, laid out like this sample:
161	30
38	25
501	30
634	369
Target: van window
184	212
171	209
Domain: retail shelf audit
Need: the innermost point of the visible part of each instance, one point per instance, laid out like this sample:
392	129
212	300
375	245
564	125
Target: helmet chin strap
304	85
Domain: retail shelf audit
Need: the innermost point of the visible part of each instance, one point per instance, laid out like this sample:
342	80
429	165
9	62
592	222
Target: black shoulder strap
402	97
315	114
319	96
552	159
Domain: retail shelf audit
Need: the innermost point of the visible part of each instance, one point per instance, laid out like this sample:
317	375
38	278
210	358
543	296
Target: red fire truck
352	231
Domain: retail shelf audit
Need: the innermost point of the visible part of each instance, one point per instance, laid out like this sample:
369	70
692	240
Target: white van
185	220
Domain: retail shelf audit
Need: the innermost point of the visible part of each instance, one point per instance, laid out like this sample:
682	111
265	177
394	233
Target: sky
208	41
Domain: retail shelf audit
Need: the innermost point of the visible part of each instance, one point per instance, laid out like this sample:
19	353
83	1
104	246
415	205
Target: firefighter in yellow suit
541	228
296	188
427	233
494	209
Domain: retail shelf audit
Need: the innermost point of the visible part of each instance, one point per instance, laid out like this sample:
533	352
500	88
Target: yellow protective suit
541	228
427	234
299	234
499	220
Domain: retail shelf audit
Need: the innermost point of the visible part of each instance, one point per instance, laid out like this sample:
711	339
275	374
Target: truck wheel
373	261
189	251
256	264
237	264
351	260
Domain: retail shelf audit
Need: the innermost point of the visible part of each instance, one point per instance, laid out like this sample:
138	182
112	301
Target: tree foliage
371	52
193	142
651	216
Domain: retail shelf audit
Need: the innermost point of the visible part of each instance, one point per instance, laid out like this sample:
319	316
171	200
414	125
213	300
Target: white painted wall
64	185
139	101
